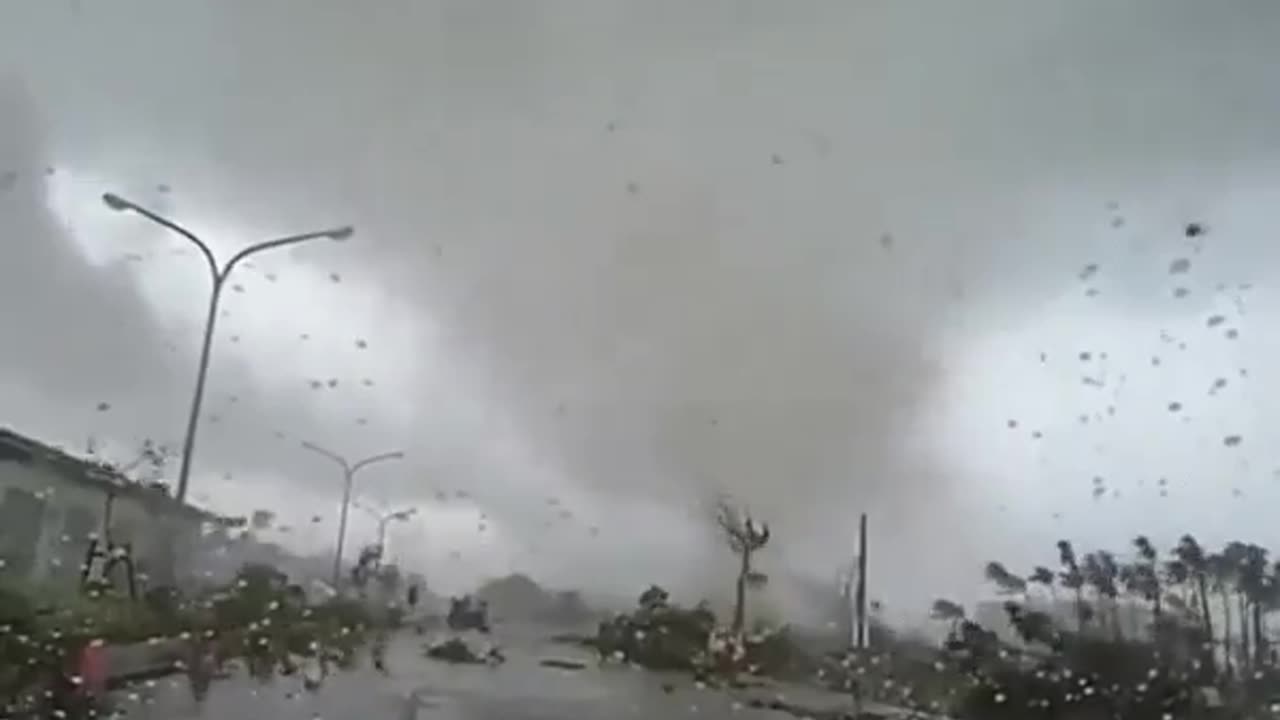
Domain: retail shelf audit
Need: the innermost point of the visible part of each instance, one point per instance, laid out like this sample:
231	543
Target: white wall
60	549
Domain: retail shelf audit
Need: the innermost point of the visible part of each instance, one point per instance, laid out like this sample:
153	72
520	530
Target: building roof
96	474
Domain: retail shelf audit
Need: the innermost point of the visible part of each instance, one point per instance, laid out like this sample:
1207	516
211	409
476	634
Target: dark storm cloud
692	249
79	334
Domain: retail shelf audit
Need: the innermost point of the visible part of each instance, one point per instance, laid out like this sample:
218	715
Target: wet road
420	689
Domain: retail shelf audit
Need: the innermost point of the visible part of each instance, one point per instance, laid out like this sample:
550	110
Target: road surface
421	689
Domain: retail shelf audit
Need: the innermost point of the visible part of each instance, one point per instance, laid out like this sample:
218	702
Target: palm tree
1178	575
1149	576
1042	575
1101	572
1191	557
1072	579
1222	573
948	611
1134	578
1254	584
1006	582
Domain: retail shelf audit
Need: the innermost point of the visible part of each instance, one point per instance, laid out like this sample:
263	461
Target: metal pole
348	479
382	536
861	601
197	400
349	471
219	275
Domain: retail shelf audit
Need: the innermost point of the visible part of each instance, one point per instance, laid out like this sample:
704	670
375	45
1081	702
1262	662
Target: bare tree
744	537
146	467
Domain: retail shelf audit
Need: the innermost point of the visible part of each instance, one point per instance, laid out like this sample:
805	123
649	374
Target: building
55	507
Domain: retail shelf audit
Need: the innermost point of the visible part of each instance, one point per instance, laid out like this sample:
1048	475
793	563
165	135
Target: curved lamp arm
336	234
397	455
329	454
119	204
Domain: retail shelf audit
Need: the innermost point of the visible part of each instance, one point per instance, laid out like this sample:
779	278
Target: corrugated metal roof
99	475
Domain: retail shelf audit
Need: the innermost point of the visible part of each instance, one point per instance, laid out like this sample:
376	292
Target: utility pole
860	597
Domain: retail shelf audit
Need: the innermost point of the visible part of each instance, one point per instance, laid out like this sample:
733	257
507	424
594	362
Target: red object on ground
93	670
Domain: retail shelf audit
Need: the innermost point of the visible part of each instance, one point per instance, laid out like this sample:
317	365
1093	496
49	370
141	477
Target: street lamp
219	276
383	520
349	471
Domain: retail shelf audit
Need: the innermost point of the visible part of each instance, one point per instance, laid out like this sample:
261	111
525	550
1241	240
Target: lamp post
349	471
218	274
383	521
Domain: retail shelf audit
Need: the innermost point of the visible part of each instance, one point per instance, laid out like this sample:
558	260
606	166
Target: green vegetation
259	619
1140	637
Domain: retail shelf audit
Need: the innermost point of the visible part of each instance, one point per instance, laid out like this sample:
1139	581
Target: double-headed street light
349	471
218	274
384	519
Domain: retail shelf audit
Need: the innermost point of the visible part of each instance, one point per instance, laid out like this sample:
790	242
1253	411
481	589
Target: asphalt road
421	689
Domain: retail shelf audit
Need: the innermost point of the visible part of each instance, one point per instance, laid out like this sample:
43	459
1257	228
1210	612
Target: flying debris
1194	230
776	159
271	277
8	179
1215	320
361	344
368	382
1088	271
335	277
1181	292
886	241
1175	407
315	384
238	287
1179	266
104	406
333	382
1232	440
163	188
1232	333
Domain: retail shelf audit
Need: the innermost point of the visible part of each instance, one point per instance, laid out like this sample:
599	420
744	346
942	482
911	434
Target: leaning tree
744	536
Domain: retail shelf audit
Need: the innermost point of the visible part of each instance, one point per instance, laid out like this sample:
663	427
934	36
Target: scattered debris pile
660	635
457	651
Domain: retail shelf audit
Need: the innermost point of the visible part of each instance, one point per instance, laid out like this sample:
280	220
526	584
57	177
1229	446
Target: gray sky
629	255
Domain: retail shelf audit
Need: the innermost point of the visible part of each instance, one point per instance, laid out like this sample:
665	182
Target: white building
54	505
